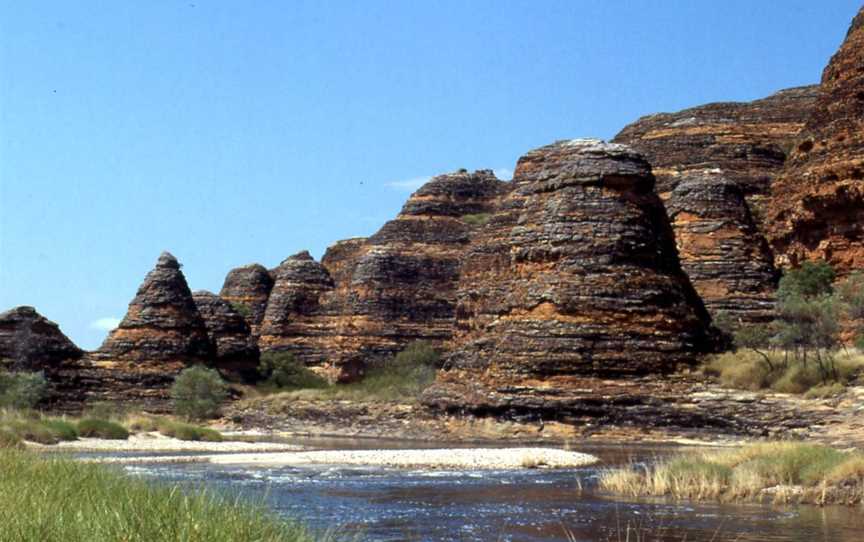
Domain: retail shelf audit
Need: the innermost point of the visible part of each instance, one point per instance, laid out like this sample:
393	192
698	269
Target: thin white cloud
409	185
105	324
503	173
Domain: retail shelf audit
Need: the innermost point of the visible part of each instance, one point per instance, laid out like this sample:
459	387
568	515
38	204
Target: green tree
283	370
198	392
22	390
811	280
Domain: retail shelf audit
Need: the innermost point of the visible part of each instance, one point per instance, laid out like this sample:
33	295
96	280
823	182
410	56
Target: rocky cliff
247	289
31	342
370	297
575	277
235	353
817	203
714	165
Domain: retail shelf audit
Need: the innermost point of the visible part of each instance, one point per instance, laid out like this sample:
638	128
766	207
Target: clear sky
234	132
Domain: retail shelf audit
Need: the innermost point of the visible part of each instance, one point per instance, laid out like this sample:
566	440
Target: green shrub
851	292
32	430
185	431
826	391
64	429
812	279
105	410
96	428
22	390
242	309
282	370
198	392
477	219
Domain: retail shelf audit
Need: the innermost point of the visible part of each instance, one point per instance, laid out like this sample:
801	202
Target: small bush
140	423
851	292
242	309
812	279
22	390
198	392
477	219
282	370
96	428
185	431
63	429
825	392
32	430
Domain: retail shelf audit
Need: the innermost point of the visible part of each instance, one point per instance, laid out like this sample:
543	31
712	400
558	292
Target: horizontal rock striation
575	276
296	320
723	254
741	147
31	342
748	141
235	350
247	289
817	203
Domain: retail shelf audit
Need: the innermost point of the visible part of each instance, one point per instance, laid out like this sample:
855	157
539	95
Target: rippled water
523	505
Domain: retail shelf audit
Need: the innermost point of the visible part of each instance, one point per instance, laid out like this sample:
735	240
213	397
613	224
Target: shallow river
523	505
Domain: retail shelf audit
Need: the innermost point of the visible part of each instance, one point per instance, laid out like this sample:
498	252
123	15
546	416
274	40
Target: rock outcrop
817	203
575	277
748	141
247	289
403	280
297	319
162	322
727	260
236	354
740	148
31	342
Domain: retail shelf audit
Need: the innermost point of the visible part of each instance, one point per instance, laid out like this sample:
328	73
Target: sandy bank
154	442
455	458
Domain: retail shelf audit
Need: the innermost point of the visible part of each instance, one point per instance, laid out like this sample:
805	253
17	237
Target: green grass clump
59	500
185	431
64	429
745	473
96	428
477	219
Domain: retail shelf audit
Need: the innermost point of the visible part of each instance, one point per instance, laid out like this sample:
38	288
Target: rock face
575	276
817	204
31	342
162	322
370	297
296	320
722	252
247	289
740	148
747	141
236	354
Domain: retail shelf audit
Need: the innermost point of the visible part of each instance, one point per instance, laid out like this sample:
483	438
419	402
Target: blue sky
235	132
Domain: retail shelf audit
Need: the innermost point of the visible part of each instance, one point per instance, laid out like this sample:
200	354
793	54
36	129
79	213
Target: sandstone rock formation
575	277
817	204
31	342
296	319
403	280
747	141
720	249
739	147
247	289
236	354
162	322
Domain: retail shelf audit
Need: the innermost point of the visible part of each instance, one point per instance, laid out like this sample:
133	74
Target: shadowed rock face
162	322
575	275
31	342
720	249
236	354
247	289
817	204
